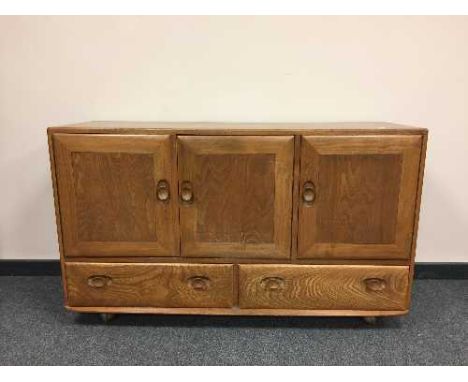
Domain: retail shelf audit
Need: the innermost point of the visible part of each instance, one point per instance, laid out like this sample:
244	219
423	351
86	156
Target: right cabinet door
358	196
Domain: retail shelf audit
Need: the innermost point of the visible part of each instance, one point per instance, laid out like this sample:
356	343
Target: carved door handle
162	190
308	193
186	192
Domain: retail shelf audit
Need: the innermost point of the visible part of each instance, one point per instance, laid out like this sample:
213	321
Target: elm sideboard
292	219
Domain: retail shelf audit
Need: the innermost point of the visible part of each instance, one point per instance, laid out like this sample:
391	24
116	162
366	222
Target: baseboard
29	268
454	271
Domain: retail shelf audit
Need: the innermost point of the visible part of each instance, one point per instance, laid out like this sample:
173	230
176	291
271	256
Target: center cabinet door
358	196
235	195
117	194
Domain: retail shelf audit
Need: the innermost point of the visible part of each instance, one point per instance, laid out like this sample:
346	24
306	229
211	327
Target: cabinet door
116	194
235	196
357	196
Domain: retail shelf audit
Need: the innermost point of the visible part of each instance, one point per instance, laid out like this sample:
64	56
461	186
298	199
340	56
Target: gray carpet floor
35	329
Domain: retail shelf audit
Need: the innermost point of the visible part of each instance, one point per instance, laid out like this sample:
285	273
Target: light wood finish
108	195
244	128
296	194
150	285
365	191
416	211
242	197
236	311
57	213
326	287
375	238
237	260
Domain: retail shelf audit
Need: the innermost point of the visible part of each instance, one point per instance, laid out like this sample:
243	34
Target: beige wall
56	70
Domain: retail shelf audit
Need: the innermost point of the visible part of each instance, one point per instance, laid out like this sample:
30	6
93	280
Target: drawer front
327	287
149	285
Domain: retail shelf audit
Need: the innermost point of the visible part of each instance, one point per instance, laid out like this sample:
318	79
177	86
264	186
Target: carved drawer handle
99	281
375	284
272	284
308	193
162	190
186	192
199	283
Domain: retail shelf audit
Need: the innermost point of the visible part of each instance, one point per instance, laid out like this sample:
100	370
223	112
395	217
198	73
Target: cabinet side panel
50	139
417	212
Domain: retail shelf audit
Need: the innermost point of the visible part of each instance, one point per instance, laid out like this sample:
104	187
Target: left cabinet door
116	194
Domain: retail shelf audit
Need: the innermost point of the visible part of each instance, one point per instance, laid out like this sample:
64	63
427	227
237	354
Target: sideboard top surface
200	128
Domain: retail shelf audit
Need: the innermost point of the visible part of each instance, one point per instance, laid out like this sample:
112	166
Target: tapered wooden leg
106	317
371	320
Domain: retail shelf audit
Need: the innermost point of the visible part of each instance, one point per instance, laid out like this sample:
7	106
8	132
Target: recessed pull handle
308	193
162	190
375	284
186	192
199	283
99	281
272	284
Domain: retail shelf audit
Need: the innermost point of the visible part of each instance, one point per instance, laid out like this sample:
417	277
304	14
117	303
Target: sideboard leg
106	317
370	320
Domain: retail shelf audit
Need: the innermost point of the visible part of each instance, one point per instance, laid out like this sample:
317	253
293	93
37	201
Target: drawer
149	285
327	287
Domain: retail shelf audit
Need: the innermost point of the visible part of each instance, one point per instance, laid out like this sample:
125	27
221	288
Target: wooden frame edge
422	163
236	311
58	219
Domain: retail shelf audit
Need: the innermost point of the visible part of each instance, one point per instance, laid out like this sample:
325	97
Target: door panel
238	192
110	195
358	196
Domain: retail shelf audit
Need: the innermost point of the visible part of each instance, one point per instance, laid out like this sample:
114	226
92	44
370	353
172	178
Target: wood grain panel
150	285
358	198
237	184
350	287
107	193
114	195
365	190
242	196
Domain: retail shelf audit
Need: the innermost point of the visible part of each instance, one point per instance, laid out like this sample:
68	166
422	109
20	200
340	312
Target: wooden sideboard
237	219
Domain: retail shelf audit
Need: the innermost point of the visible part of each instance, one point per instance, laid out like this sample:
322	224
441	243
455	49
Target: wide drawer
149	285
327	287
